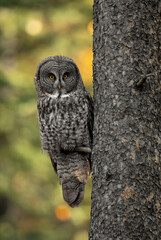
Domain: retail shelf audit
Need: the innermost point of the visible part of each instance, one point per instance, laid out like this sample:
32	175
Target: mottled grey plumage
65	113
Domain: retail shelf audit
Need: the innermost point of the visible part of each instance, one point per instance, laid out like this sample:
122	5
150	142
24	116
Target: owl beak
59	86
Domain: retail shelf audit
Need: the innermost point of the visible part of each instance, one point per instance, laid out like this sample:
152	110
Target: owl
65	115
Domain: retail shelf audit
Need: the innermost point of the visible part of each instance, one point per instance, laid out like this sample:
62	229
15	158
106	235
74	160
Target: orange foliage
90	27
62	212
84	62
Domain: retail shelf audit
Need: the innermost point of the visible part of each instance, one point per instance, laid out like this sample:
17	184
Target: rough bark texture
126	194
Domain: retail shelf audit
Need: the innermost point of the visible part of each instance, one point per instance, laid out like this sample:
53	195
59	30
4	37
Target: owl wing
44	139
53	160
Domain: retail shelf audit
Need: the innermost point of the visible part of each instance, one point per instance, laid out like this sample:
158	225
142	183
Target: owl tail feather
73	192
73	170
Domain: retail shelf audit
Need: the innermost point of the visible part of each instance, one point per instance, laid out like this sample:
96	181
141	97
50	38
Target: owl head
57	75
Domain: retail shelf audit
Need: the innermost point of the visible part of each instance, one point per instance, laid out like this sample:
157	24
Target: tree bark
126	155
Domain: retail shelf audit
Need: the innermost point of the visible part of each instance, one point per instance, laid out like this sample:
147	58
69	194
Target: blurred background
31	202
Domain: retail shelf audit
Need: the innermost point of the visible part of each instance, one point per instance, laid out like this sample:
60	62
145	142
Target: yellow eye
52	76
65	76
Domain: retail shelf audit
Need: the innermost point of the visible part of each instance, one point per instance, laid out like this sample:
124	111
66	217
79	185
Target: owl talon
77	149
83	149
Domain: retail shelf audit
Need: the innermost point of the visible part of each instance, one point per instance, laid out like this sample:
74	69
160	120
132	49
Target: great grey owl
65	114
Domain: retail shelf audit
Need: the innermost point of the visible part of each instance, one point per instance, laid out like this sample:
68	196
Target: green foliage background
29	189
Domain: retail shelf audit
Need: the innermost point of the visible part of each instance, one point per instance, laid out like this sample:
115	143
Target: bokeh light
34	27
62	212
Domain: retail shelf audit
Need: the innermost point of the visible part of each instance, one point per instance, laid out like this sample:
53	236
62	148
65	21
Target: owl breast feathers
65	114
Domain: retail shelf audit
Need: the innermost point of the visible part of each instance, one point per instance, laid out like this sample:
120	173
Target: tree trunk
126	191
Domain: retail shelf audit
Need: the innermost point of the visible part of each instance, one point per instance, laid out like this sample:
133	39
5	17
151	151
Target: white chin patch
55	95
63	95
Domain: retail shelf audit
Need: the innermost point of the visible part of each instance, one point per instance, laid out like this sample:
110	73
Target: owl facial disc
58	78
